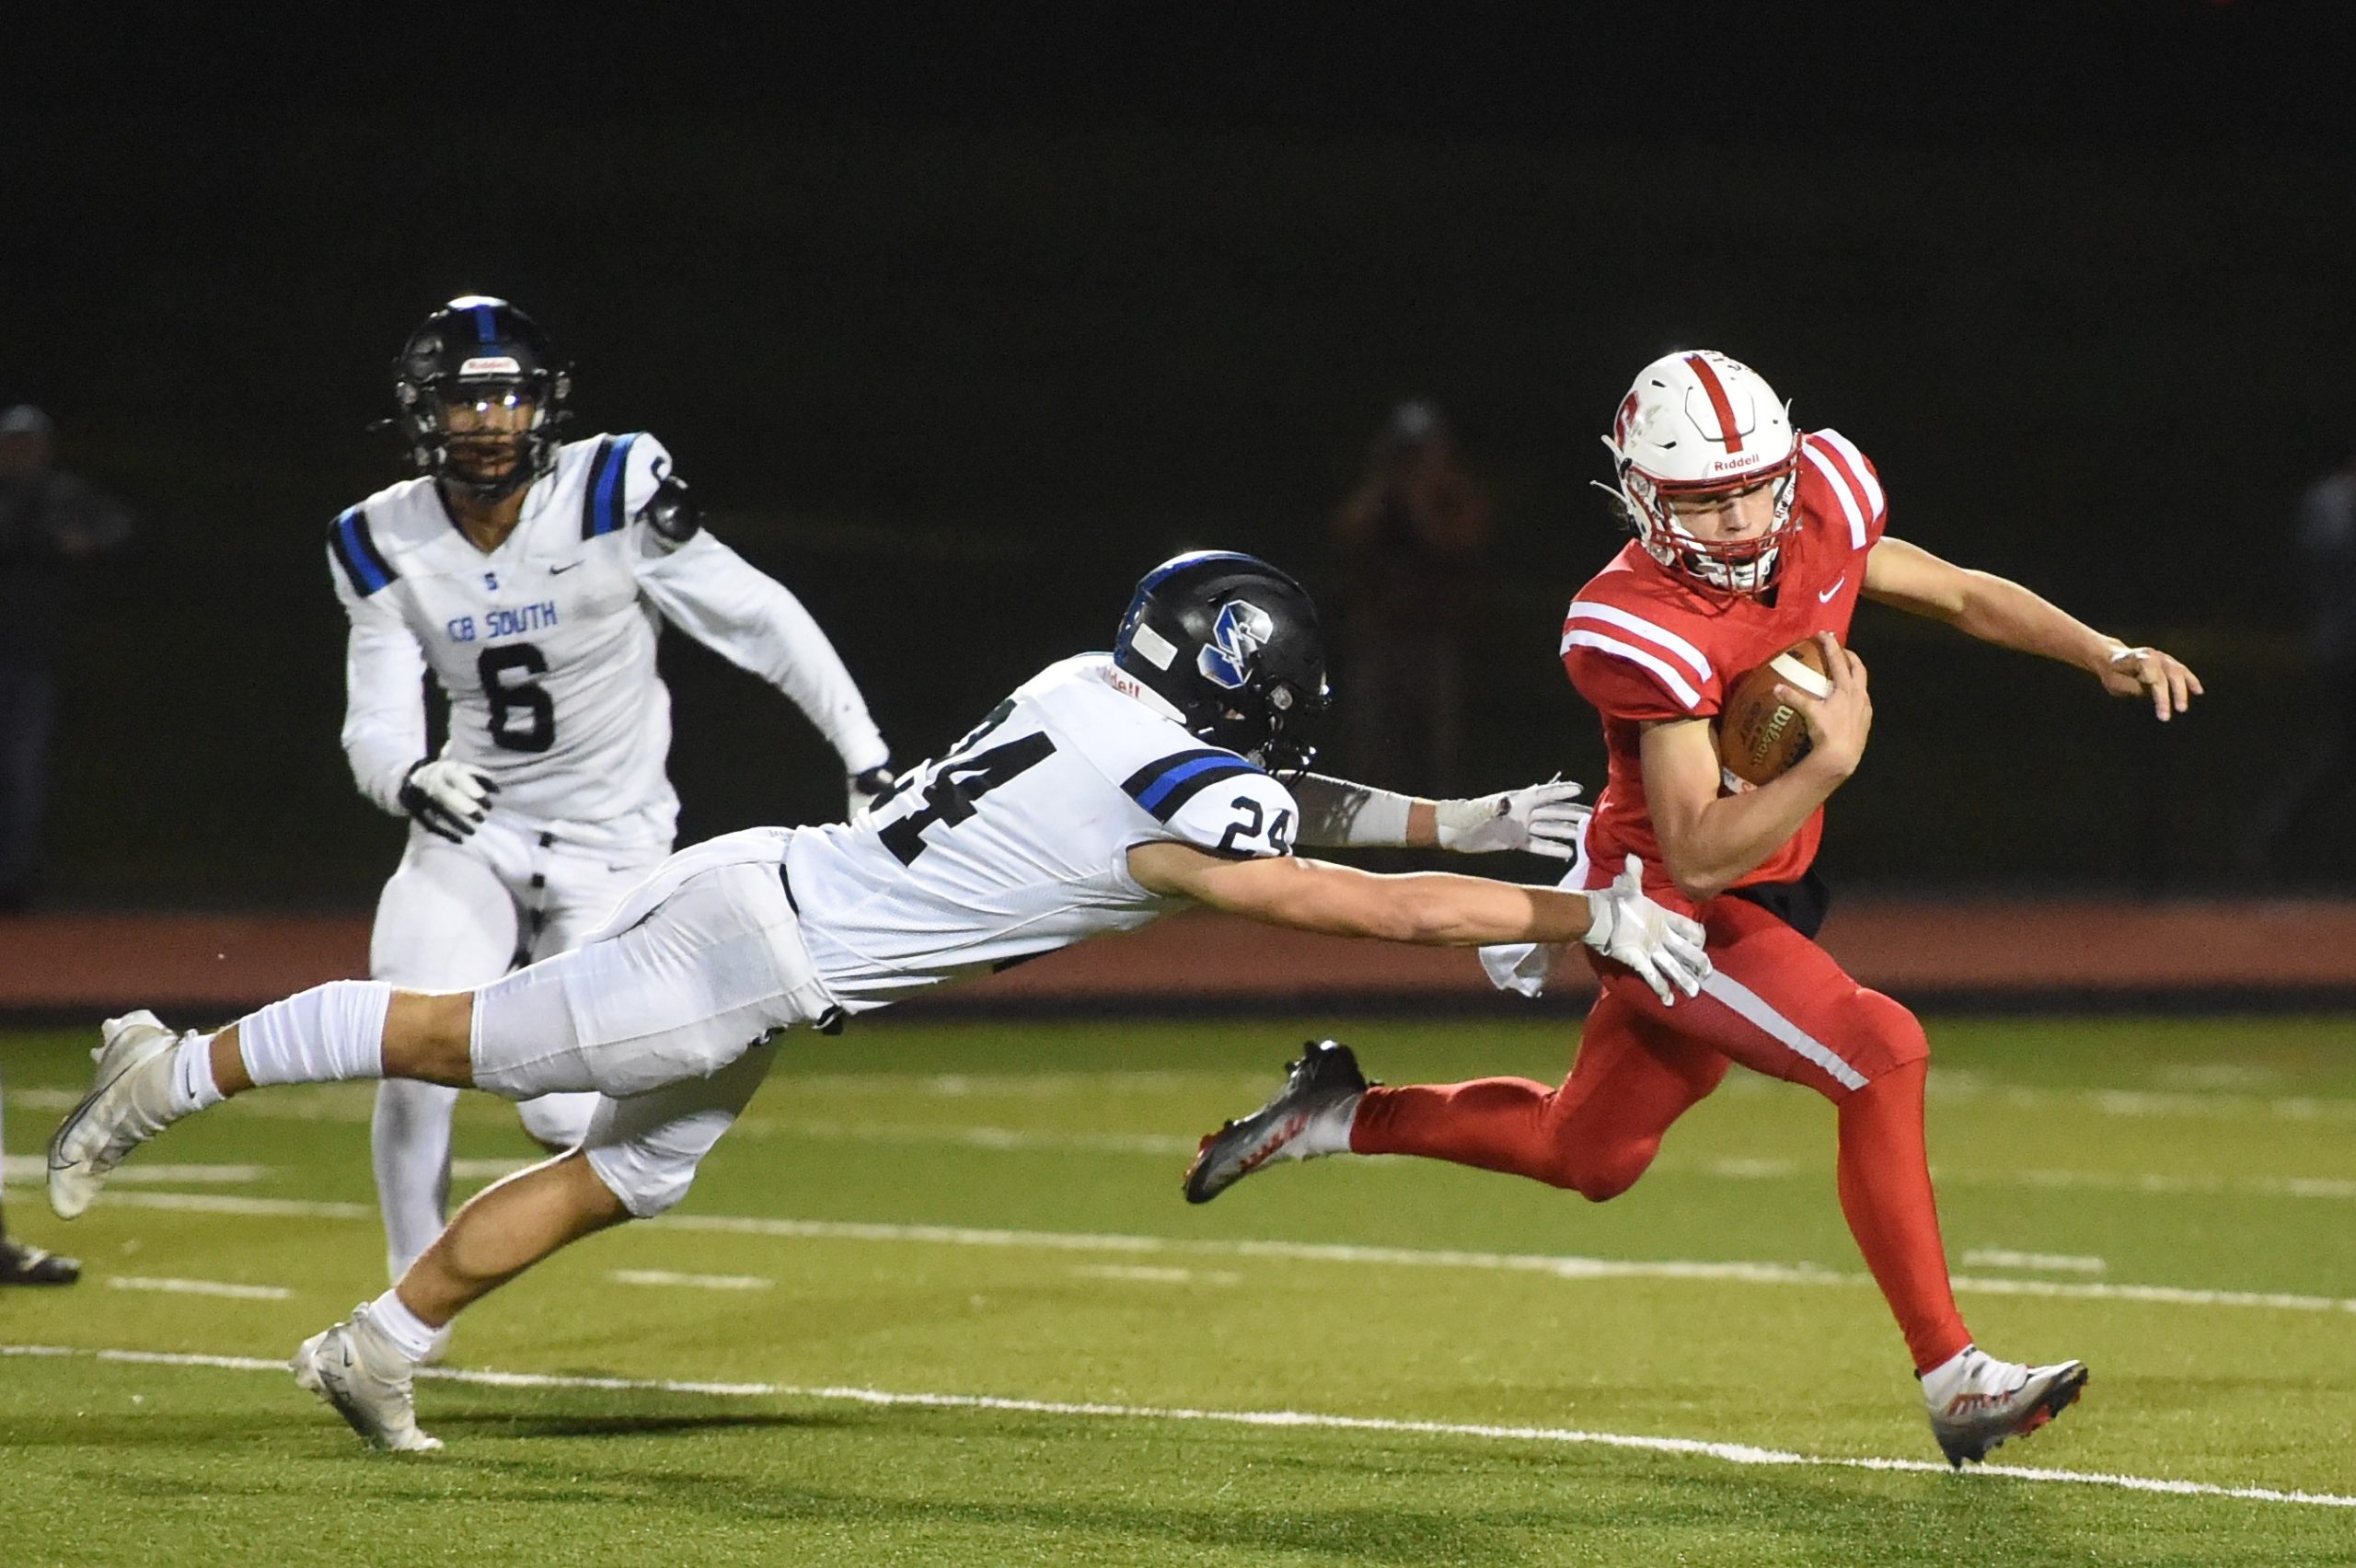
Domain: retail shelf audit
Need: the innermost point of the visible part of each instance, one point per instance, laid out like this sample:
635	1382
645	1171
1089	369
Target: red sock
1886	1194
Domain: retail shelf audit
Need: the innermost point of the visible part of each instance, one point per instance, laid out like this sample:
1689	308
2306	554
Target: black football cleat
23	1264
1323	1087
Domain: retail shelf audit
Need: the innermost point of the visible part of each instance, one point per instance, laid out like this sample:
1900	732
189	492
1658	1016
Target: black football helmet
480	353
1234	644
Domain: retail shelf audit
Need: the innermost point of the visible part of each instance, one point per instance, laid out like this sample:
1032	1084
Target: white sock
327	1034
1328	1131
409	1333
1946	1380
192	1085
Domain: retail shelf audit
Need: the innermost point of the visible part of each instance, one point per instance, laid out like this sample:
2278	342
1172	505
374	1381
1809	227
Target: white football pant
454	917
666	1011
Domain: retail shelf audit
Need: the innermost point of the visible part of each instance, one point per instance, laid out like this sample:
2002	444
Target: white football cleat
355	1368
130	1101
1977	1401
1308	1117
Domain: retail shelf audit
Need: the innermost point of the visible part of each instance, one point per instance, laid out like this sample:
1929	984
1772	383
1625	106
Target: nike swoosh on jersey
1826	597
568	566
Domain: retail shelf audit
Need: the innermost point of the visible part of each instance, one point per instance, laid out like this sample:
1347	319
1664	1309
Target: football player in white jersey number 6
1106	792
530	576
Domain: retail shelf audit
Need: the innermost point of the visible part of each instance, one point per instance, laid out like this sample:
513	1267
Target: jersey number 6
523	717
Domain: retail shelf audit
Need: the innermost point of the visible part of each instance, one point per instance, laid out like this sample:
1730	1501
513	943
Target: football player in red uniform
1750	537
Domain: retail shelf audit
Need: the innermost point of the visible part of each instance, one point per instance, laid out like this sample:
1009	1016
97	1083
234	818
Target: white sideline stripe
1679	686
1839	485
1875	503
1748	1004
1612	615
201	1288
2005	1258
1730	1453
692	1281
1560	1266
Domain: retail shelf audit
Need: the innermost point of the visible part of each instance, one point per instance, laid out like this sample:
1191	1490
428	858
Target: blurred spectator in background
49	521
1410	538
2325	529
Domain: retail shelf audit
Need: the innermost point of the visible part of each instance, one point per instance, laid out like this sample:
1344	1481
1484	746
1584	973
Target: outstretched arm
1996	610
1430	909
1434	908
1542	819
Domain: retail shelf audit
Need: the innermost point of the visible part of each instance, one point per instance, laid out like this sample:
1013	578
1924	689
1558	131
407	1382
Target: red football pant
1778	1004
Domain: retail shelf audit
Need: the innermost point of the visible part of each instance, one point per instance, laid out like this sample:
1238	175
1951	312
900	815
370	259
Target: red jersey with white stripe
1644	645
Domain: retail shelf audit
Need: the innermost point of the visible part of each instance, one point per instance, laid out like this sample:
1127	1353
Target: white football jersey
1016	842
545	645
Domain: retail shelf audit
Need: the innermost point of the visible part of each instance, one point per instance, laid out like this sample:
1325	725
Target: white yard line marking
2057	1262
1016	1086
2329	1187
34	1168
45	1099
201	1288
1012	1140
1559	1266
31	1170
2138	1103
690	1281
1158	1276
1737	1169
1750	1169
340	1103
224	1203
488	1170
1730	1453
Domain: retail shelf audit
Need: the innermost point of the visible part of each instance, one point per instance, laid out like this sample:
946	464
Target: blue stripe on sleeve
1158	790
358	553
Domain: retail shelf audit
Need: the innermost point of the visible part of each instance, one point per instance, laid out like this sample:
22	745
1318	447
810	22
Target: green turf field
989	1213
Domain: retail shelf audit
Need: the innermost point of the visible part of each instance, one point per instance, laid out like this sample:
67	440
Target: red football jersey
1643	644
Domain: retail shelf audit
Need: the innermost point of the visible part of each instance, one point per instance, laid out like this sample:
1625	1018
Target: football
1759	736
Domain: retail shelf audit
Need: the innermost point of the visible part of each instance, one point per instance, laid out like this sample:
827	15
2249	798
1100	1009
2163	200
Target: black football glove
448	798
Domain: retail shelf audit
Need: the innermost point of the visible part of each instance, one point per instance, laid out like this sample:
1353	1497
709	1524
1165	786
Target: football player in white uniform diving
1108	790
531	576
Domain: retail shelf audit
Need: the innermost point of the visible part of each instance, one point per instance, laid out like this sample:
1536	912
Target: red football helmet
1697	423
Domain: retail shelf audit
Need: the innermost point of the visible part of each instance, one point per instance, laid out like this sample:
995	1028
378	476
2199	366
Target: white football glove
1664	949
1543	819
448	798
864	788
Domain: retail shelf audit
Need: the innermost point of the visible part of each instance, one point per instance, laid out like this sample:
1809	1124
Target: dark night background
960	325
